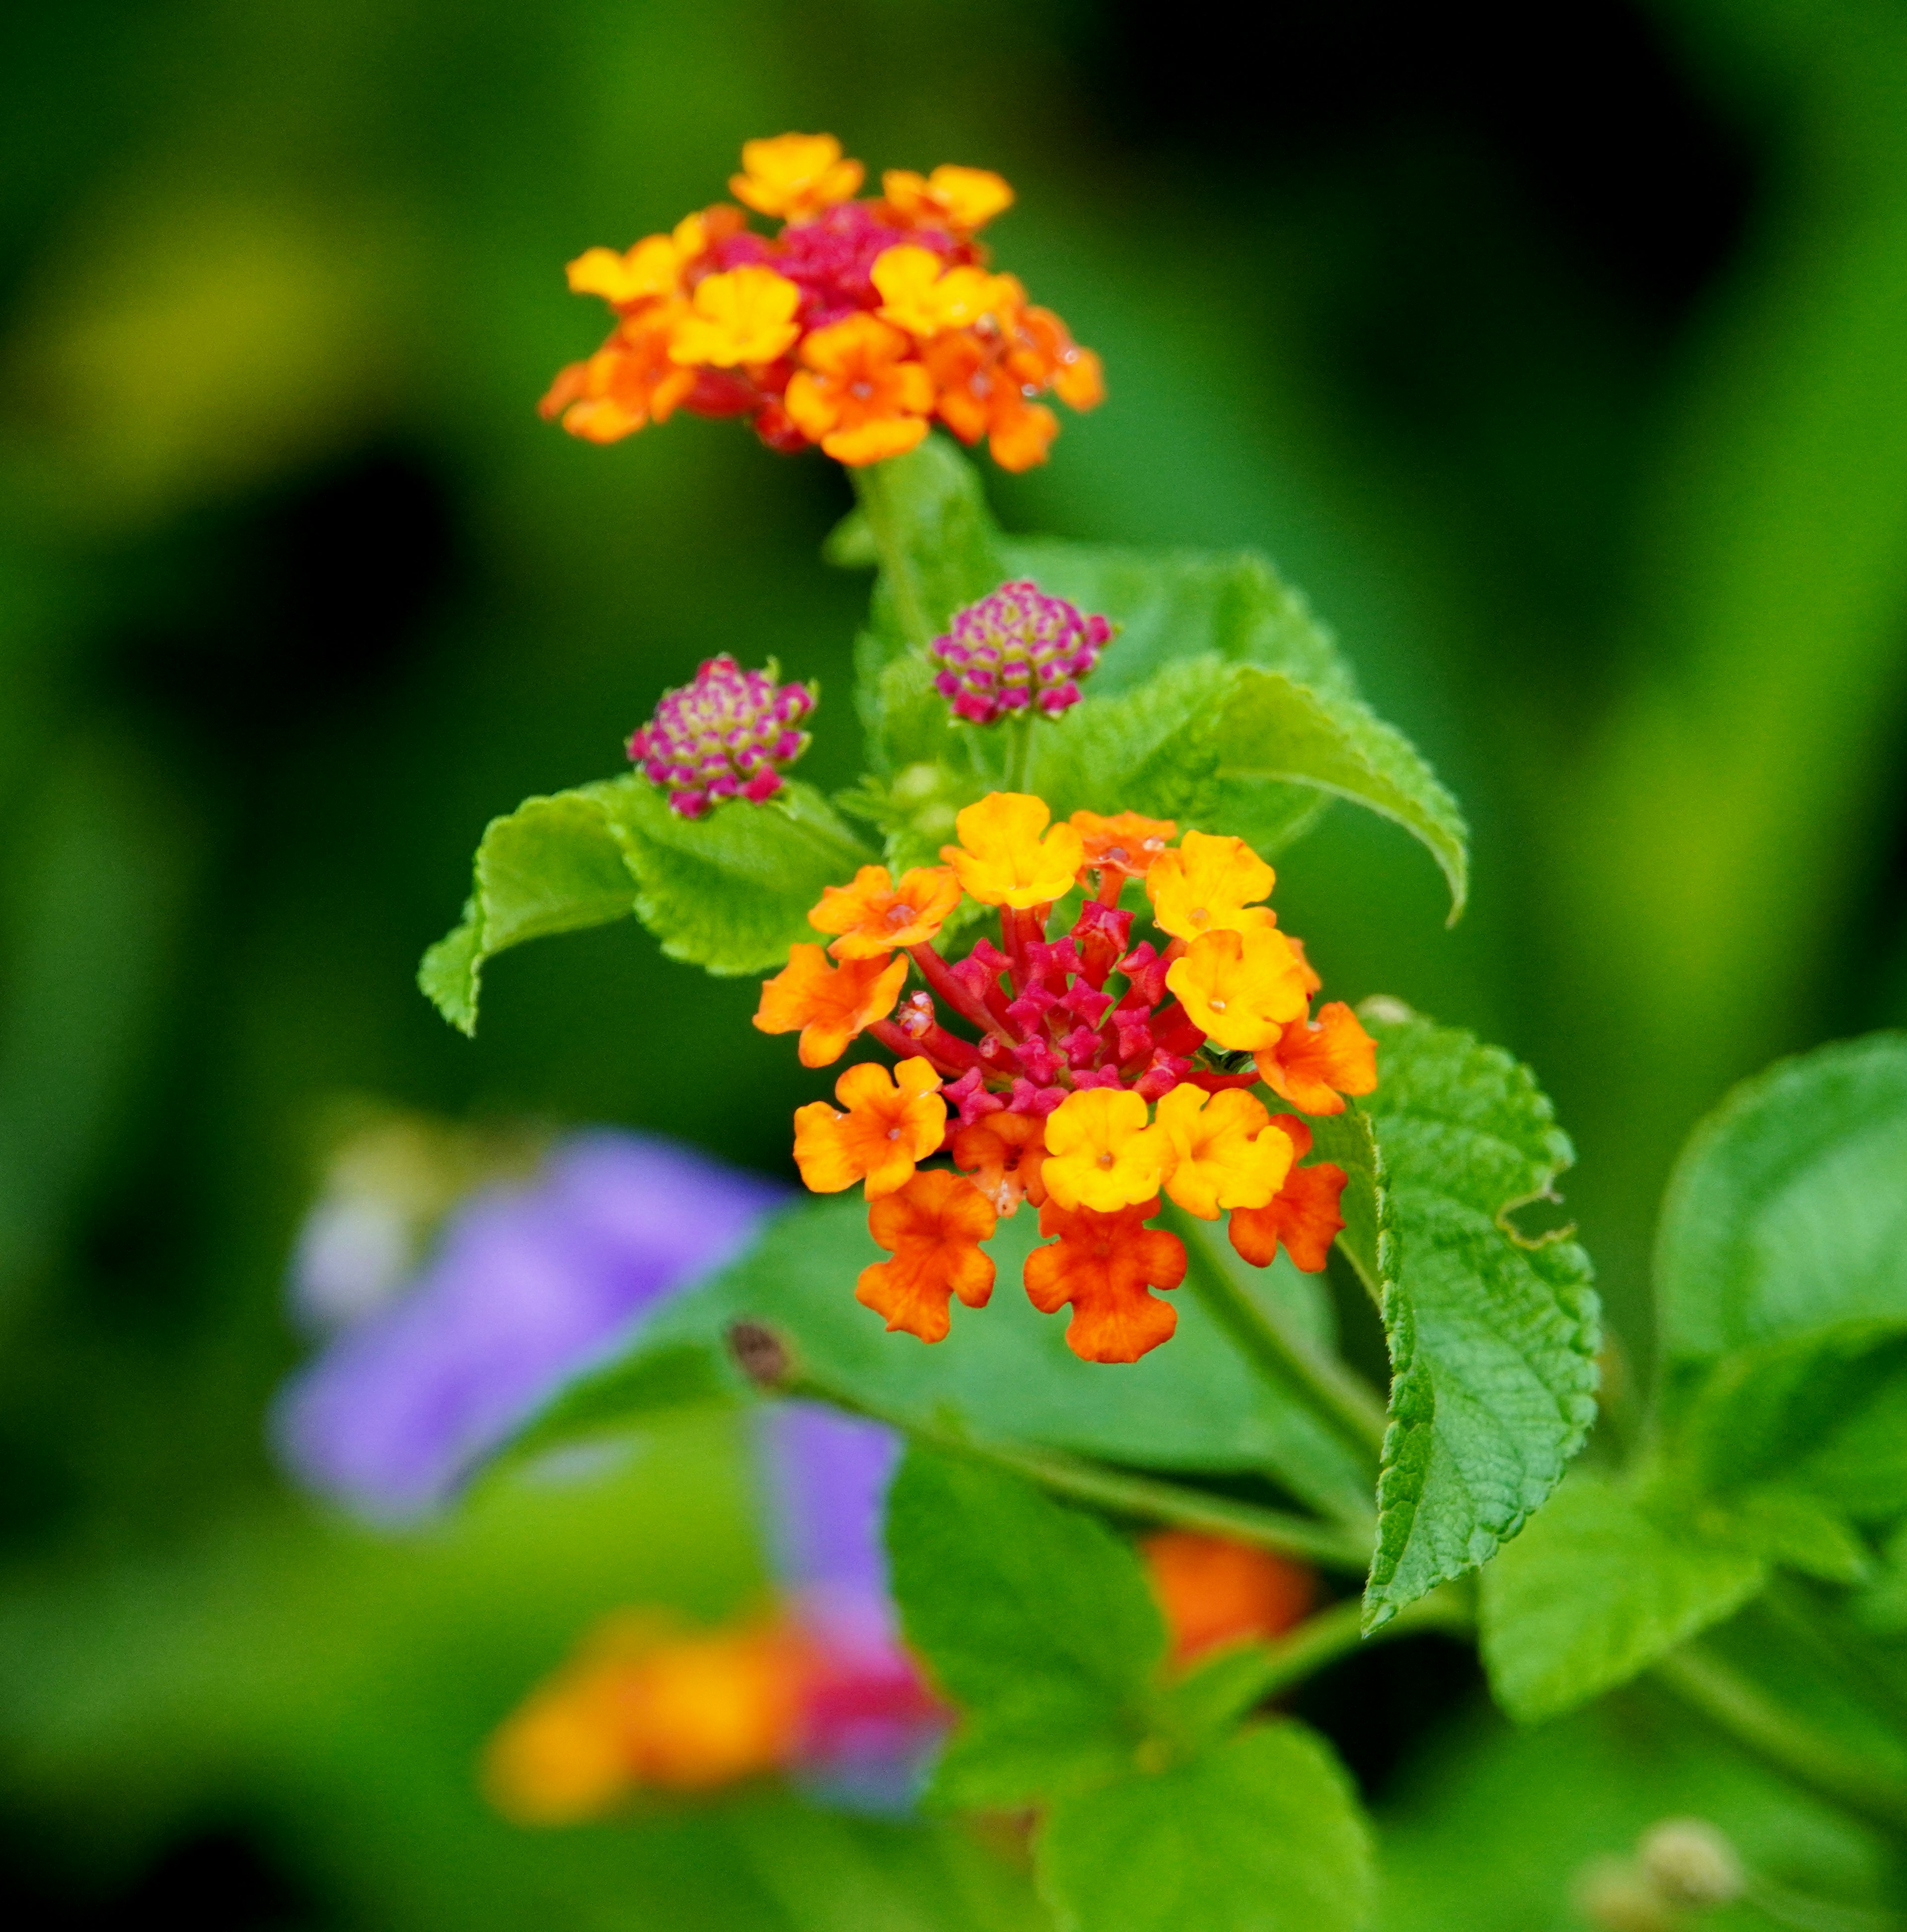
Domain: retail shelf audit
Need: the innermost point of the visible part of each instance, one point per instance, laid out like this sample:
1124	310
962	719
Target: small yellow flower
917	295
794	175
963	199
1210	885
1101	1154
1226	1152
1001	858
1239	988
652	268
746	315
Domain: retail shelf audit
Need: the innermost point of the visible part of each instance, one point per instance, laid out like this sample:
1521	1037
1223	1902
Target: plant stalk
1784	1742
1337	1547
1264	1334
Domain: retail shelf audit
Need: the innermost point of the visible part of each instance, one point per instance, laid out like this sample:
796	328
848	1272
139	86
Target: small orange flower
1101	1154
828	1004
1239	988
933	1227
1214	1591
858	397
920	294
886	1130
874	917
1226	1152
640	1707
1127	844
963	199
1313	1063
976	395
1210	885
629	381
1303	1214
1002	859
1005	1153
745	315
1040	353
1103	1265
792	176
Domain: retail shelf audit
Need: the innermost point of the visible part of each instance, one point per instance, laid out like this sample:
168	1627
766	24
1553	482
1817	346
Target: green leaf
1274	733
1235	748
1786	1210
1034	1618
1004	1373
551	865
729	892
1493	1337
1593	1592
1262	1834
1823	1412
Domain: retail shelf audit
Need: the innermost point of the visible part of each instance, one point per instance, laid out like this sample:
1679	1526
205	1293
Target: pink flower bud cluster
1017	649
729	734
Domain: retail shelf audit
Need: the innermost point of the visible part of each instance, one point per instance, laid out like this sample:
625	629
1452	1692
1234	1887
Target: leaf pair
1038	1621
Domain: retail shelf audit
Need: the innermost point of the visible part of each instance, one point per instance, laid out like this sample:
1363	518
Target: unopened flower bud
1016	651
1692	1862
729	734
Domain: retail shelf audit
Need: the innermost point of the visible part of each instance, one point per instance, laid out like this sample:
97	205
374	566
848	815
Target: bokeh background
1562	361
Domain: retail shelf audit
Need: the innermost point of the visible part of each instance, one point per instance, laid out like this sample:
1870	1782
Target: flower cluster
731	733
1014	651
1087	1075
855	326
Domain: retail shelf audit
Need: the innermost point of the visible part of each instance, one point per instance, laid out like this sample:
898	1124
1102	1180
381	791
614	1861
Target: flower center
1217	1006
1105	1160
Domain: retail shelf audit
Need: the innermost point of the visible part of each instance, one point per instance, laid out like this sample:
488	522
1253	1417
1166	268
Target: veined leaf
1275	733
729	892
1034	1618
1786	1211
1261	1834
1492	1337
552	865
1004	1373
1595	1591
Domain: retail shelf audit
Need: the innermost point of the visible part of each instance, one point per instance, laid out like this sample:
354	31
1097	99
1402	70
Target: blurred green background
1563	365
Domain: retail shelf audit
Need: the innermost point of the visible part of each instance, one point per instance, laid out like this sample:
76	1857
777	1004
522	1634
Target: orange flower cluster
643	1706
1089	1076
855	327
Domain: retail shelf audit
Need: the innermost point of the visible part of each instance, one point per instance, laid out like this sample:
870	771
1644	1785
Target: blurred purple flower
872	1725
529	1284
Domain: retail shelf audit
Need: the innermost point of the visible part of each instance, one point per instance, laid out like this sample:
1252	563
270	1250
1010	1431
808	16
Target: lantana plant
1090	1063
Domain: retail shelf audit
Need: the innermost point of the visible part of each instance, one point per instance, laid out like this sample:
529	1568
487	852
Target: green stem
1264	1334
1784	1742
903	584
1020	752
1331	1545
